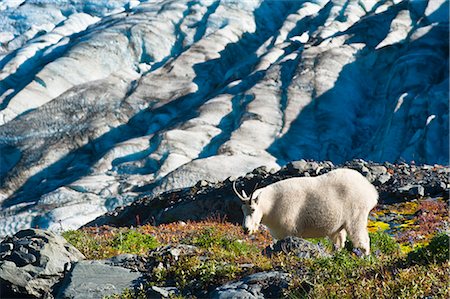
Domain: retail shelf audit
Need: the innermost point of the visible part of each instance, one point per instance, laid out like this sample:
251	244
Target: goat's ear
254	199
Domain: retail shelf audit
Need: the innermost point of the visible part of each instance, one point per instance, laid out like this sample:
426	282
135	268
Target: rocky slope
395	183
104	101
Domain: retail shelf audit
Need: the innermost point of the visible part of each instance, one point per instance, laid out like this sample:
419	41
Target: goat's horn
242	198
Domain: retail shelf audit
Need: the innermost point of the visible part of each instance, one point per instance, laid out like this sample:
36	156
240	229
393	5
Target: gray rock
34	261
133	262
174	251
412	190
297	246
5	249
417	190
161	292
21	258
378	170
258	285
382	179
300	165
96	279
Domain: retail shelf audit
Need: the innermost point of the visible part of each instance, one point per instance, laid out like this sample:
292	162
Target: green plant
382	242
193	272
100	246
325	242
436	251
217	242
128	294
132	241
85	243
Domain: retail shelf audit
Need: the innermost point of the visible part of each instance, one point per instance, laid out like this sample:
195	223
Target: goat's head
252	213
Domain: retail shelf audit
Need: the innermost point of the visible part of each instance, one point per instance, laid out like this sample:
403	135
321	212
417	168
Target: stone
377	169
34	262
412	190
96	279
6	247
298	247
299	166
417	190
161	292
130	261
175	251
382	179
258	285
21	258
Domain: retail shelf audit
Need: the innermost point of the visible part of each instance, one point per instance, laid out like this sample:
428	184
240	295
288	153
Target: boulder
133	262
161	292
412	190
33	261
258	285
96	279
297	246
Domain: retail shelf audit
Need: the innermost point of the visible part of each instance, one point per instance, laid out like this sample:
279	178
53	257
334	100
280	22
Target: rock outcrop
96	279
32	262
104	101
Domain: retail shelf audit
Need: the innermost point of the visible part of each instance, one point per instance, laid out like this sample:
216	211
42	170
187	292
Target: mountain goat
333	205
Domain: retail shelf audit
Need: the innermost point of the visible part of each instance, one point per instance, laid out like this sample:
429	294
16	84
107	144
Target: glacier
104	101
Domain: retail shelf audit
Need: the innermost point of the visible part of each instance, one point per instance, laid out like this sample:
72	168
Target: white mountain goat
330	205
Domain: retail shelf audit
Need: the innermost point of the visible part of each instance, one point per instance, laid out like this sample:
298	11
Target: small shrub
211	239
384	243
193	273
88	245
132	241
436	251
128	294
100	246
325	242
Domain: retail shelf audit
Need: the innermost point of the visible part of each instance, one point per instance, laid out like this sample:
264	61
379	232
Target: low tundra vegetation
396	268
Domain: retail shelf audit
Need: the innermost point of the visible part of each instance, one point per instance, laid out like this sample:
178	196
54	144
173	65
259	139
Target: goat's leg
339	238
359	235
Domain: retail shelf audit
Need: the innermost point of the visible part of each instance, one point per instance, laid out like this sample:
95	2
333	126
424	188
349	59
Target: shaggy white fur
333	204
